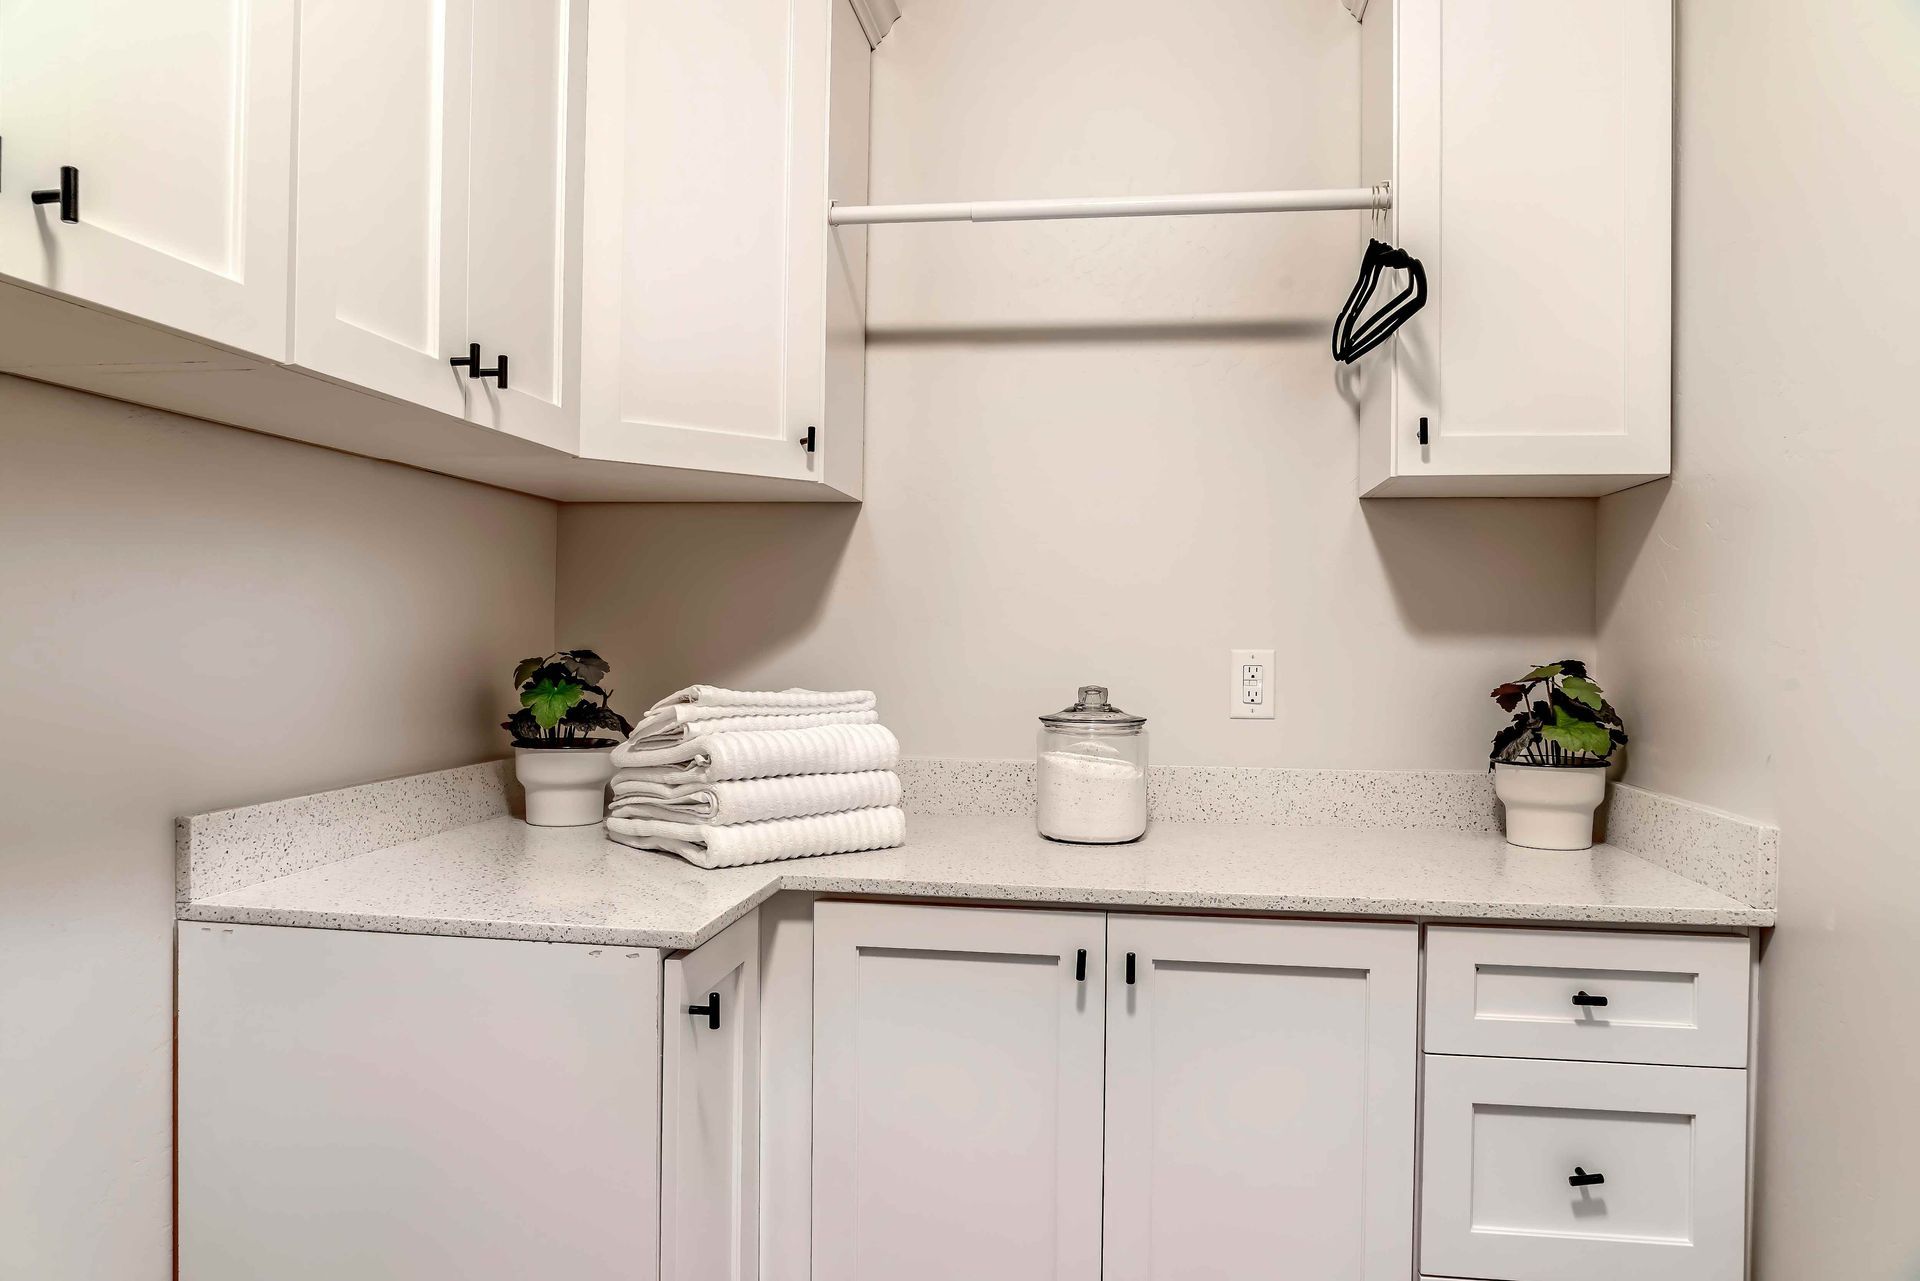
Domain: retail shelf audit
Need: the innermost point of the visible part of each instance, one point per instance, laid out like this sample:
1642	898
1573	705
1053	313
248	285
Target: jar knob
1093	698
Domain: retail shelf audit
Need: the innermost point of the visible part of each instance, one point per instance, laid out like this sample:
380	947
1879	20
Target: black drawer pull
1129	969
1581	998
711	1009
1581	1179
66	195
1080	966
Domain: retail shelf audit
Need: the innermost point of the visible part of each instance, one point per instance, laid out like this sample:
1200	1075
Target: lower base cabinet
1234	1091
415	1108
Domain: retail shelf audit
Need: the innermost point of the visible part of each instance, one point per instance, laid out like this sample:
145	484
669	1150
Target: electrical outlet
1251	678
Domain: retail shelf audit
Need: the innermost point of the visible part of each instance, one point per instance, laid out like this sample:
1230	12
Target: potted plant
1550	762
561	752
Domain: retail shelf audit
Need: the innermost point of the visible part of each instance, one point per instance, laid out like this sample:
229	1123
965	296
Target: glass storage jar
1091	772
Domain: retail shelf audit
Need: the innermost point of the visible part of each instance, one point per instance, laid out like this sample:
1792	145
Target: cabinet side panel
848	128
1372	376
396	1105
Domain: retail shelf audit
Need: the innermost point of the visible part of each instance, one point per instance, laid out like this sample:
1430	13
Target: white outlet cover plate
1250	676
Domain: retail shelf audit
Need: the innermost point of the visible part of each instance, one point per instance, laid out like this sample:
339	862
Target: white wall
1106	451
196	617
1757	615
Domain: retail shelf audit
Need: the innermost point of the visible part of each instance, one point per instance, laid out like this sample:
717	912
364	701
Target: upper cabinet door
956	1077
710	1109
178	119
711	135
381	264
1532	174
1260	1098
523	237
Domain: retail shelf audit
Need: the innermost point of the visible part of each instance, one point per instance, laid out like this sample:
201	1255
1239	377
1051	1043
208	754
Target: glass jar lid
1093	712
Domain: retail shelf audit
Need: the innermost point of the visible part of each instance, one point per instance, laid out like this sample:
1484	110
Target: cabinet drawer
1504	1137
1537	994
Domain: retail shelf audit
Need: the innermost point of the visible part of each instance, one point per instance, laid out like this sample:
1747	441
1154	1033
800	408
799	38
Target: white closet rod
1219	202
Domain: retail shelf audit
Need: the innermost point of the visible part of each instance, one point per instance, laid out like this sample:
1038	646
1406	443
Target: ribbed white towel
811	700
772	753
765	842
664	731
755	799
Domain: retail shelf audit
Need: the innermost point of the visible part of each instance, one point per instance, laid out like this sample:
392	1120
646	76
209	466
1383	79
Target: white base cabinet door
710	1109
177	119
1558	1171
1260	1099
1530	148
957	1084
415	1108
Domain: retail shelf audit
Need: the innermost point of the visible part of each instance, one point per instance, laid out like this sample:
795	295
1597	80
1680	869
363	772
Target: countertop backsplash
230	849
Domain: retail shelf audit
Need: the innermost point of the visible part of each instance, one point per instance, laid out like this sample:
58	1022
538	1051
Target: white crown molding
878	16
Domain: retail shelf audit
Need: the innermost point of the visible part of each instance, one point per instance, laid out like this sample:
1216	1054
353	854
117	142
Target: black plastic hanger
1349	343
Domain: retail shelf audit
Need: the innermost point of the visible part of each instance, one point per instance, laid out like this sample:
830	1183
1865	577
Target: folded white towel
812	700
765	842
664	731
724	756
755	799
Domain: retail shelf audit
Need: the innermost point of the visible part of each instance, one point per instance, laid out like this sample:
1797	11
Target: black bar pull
1080	966
498	371
66	195
470	362
1581	1179
810	441
711	1009
1581	998
1423	431
1129	969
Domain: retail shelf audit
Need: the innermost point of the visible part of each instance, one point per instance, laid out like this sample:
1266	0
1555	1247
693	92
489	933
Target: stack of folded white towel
725	777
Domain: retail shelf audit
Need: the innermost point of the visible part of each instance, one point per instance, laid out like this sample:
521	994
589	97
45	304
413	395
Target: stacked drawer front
1585	1106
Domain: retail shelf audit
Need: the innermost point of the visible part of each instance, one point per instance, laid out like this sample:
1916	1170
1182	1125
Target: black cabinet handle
711	1009
1581	998
1080	966
66	195
1423	432
1129	969
811	440
1581	1179
471	363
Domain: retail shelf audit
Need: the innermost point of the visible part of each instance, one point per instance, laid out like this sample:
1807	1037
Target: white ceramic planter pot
565	786
1550	807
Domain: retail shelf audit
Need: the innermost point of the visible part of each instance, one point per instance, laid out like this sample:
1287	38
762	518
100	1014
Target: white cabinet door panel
1583	1171
415	1108
710	1109
179	118
957	1094
523	235
1533	179
381	279
1260	1099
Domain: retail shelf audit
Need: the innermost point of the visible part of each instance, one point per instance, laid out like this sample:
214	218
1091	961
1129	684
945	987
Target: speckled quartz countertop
502	879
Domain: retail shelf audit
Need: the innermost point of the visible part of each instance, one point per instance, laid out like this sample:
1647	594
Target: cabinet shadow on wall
1520	568
677	593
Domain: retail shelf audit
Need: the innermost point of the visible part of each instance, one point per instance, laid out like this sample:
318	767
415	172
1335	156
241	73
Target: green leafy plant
562	703
1560	717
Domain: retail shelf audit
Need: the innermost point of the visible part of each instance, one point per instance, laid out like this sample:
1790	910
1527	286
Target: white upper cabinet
724	319
956	1076
176	120
1530	147
1260	1098
438	171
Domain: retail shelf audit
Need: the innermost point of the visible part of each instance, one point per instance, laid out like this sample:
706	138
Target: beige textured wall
1757	615
1105	451
196	617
